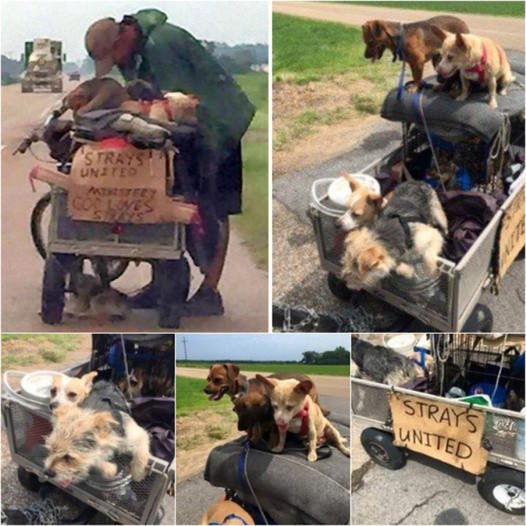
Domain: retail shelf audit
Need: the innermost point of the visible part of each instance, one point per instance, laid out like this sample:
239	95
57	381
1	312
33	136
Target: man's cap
99	41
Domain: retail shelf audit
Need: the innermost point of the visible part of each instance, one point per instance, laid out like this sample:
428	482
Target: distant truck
43	65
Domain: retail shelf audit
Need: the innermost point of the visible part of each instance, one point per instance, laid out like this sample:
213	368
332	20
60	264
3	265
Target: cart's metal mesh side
472	270
130	502
369	401
428	299
502	433
65	229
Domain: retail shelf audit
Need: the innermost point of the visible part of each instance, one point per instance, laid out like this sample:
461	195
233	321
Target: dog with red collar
295	412
477	59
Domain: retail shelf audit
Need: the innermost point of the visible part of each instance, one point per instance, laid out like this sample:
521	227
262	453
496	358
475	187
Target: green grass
305	123
190	397
271	367
34	348
483	8
305	50
252	224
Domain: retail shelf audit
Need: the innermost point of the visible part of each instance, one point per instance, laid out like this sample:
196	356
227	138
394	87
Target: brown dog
226	512
478	59
419	44
224	379
254	411
96	94
364	205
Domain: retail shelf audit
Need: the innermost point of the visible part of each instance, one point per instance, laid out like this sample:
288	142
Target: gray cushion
290	489
453	120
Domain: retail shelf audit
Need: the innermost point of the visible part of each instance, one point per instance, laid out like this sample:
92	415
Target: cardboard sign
447	432
511	239
124	185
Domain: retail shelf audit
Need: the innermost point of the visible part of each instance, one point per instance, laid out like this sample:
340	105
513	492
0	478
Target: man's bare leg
207	301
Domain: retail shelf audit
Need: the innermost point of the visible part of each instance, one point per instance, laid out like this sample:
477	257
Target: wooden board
511	238
124	185
447	432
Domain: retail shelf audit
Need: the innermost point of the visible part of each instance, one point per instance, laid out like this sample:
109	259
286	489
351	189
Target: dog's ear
460	42
377	28
87	379
439	33
269	381
353	183
375	200
303	387
232	371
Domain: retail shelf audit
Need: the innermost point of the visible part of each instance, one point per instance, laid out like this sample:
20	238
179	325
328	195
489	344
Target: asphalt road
425	491
508	31
195	494
244	287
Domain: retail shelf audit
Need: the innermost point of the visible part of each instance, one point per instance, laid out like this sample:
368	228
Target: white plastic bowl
36	385
401	343
339	190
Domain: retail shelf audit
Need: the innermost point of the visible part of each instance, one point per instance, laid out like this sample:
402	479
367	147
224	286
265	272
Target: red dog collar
304	415
480	69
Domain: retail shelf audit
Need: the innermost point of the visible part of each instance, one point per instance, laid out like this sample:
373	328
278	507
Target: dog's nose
53	405
205	390
49	473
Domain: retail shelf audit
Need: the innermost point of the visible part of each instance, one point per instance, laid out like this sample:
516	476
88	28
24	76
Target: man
144	46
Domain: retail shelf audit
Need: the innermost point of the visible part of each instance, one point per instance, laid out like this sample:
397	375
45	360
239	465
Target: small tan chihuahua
296	412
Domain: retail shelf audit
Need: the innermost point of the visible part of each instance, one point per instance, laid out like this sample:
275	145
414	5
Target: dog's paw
493	103
312	456
462	97
277	449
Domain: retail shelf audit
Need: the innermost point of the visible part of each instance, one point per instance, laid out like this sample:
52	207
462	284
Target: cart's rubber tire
338	287
53	288
27	479
36	223
379	446
107	269
173	281
498	484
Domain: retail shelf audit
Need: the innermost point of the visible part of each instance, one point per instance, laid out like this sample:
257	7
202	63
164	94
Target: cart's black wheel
27	479
174	284
379	446
53	287
37	233
107	269
503	488
338	287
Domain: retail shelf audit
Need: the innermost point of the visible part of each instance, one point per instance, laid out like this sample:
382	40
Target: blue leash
228	518
242	462
400	56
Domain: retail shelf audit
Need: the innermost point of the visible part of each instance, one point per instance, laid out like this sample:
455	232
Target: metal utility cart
459	357
446	300
27	422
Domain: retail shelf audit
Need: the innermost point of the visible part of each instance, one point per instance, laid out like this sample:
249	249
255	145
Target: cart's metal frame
462	283
160	473
501	418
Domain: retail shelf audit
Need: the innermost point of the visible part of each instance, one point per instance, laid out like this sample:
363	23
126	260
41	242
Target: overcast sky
233	22
256	346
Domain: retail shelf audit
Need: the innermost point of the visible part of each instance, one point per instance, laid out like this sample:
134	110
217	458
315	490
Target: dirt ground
28	348
325	142
194	443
